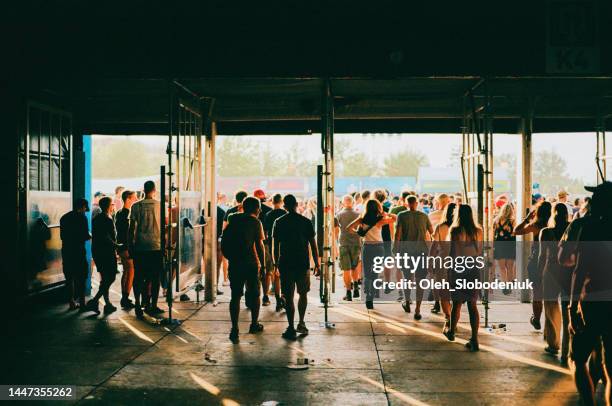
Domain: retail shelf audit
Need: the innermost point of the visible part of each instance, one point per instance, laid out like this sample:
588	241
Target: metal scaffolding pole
601	156
210	207
525	196
327	147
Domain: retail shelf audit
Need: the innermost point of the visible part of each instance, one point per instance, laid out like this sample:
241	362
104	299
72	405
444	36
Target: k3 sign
572	37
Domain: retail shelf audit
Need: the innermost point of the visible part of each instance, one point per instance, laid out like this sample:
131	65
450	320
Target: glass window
49	150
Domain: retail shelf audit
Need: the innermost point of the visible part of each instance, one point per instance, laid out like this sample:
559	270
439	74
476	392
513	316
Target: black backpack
229	241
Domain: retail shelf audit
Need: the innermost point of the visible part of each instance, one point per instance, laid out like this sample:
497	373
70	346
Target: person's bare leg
455	315
290	309
348	279
501	265
234	308
584	384
277	285
446	308
474	319
302	304
255	305
419	296
511	264
387	274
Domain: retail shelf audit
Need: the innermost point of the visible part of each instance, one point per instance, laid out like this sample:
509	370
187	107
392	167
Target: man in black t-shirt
122	223
292	235
245	263
272	274
587	247
74	232
104	252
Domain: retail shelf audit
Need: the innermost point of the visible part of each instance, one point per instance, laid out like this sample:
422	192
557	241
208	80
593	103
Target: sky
578	149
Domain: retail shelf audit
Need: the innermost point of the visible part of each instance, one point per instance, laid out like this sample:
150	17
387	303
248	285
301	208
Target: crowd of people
268	247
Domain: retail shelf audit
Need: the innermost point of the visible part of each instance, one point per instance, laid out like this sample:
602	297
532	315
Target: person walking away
533	224
145	249
104	252
504	248
556	282
74	233
402	206
239	197
369	227
436	216
221	260
387	231
587	247
349	244
465	241
122	224
272	272
118	198
242	245
413	231
260	194
292	235
440	247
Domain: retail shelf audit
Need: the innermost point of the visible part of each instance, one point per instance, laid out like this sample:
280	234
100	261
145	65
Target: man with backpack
242	245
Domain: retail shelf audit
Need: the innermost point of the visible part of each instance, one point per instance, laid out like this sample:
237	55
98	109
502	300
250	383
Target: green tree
236	157
550	171
125	158
350	162
404	163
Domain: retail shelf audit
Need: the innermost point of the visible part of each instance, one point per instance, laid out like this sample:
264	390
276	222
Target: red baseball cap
260	194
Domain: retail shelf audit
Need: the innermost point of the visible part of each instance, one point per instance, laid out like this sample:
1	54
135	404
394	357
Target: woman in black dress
504	251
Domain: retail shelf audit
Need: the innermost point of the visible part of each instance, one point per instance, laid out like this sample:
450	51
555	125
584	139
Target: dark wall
341	38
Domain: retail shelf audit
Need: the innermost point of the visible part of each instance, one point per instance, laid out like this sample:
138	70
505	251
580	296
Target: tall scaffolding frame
477	171
327	148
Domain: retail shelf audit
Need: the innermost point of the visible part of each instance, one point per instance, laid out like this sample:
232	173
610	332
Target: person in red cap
265	282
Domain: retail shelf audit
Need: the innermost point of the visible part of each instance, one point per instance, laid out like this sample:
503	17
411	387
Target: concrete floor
376	357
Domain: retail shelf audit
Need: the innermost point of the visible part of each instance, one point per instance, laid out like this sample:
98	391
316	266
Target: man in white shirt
145	248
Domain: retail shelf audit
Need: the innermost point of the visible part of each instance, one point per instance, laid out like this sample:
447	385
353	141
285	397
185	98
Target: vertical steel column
524	201
327	138
601	156
489	203
210	205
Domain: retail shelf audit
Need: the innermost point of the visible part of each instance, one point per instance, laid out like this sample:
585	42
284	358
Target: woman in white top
369	226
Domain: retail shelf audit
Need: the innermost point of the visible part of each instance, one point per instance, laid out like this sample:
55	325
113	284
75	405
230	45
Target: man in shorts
413	231
292	235
272	274
246	262
350	247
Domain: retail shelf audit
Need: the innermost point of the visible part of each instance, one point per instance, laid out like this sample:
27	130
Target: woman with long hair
504	250
369	225
533	224
556	282
465	238
440	248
